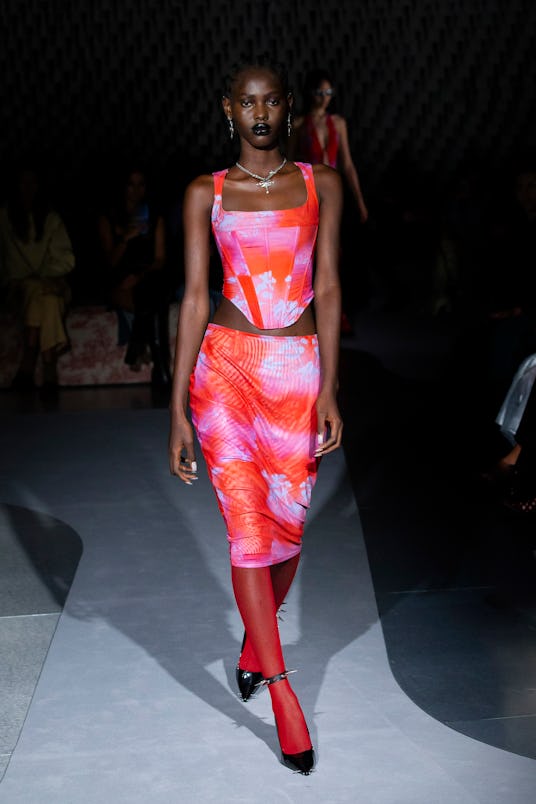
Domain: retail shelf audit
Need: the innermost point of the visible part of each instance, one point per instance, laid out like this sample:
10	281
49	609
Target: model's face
258	107
135	189
322	96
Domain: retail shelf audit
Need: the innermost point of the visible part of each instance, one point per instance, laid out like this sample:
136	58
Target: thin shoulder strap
308	175
219	178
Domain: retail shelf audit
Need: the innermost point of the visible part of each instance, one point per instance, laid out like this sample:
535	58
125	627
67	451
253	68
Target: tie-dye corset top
267	256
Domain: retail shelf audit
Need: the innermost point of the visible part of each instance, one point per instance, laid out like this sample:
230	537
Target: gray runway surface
136	699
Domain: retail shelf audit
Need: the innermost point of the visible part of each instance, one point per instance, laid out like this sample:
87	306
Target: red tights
259	592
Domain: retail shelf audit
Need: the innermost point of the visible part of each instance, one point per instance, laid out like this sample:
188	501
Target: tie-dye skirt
253	406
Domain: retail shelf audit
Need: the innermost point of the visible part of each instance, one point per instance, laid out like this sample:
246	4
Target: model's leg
282	576
254	593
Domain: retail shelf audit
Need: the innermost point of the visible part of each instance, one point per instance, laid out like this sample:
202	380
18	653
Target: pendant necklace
263	181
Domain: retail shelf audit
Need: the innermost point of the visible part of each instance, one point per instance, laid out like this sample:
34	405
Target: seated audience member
515	471
35	257
133	241
500	302
522	492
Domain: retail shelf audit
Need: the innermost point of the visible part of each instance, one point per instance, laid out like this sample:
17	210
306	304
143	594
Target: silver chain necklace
263	181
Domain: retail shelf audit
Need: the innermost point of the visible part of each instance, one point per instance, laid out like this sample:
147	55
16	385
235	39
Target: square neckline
265	211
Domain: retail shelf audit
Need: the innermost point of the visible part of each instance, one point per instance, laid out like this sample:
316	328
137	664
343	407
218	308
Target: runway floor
411	621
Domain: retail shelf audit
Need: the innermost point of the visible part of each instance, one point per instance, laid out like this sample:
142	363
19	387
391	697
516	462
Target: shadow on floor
454	572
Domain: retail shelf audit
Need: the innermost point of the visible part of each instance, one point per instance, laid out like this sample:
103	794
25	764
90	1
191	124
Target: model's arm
348	168
328	306
193	319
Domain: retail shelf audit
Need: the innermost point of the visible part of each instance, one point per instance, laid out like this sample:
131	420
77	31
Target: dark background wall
86	80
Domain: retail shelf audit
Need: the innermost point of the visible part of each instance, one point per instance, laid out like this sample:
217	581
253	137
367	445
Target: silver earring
289	125
231	127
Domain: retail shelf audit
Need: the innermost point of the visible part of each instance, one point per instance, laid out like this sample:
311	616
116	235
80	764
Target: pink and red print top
267	256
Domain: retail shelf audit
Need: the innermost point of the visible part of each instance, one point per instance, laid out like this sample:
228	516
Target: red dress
311	148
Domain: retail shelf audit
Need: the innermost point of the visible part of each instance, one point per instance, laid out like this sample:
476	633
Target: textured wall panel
90	77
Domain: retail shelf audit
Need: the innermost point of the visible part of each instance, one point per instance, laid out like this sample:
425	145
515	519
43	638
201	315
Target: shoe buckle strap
272	680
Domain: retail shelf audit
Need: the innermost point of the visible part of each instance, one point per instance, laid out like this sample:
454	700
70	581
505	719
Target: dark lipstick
261	129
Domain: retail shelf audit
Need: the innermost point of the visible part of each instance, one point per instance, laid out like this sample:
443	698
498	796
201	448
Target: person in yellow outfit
35	256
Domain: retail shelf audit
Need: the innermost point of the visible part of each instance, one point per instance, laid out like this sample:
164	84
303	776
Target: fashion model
262	376
321	137
133	243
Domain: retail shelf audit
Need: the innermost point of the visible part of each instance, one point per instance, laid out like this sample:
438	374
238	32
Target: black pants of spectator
150	326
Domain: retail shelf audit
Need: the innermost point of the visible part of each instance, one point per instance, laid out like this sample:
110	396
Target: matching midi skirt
253	406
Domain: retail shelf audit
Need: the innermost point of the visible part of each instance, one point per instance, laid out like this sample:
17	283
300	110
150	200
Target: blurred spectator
507	285
498	286
515	472
522	492
35	257
133	241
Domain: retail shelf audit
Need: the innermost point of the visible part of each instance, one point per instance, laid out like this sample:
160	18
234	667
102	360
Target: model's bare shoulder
200	192
327	181
199	196
297	122
339	121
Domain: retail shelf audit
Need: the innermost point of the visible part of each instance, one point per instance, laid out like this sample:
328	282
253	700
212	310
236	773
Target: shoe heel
249	683
303	762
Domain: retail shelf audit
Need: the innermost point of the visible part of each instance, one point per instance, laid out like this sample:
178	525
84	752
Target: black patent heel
304	761
249	682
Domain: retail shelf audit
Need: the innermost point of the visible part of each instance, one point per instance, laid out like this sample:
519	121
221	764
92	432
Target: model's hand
329	424
363	213
182	461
